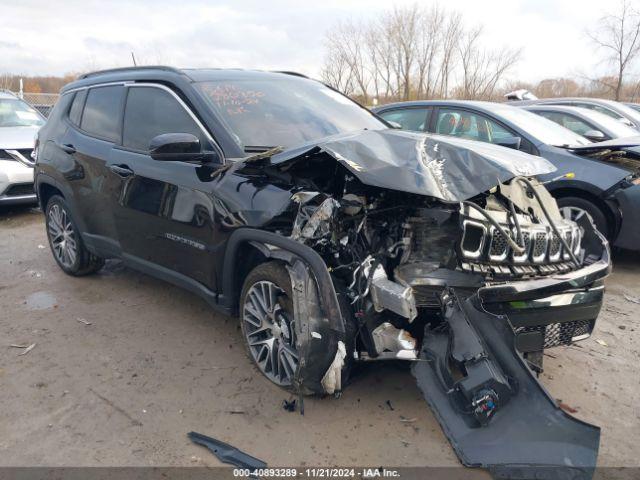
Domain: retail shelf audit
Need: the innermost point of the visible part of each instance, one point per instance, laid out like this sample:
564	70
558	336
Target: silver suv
19	124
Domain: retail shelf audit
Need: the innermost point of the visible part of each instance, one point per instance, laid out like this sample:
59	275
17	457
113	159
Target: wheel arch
47	186
322	334
612	216
248	247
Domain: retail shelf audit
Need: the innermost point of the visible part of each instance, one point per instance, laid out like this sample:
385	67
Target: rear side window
102	109
571	122
76	107
151	112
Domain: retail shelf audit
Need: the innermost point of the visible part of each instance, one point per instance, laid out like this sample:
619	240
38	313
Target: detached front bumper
490	404
629	205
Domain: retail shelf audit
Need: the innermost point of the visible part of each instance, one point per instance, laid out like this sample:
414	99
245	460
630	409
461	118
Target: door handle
122	170
67	147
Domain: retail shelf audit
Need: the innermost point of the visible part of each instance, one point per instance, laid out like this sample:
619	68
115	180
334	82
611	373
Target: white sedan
19	124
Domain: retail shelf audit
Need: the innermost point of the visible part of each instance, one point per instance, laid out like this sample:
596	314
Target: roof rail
129	69
287	72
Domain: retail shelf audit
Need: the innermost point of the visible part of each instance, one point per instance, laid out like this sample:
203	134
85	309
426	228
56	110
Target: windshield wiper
264	152
258	148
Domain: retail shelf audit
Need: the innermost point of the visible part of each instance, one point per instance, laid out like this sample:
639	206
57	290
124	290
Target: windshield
628	112
270	112
541	128
16	113
616	127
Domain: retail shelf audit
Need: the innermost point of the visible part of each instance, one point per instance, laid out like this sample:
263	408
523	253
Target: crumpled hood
446	168
17	137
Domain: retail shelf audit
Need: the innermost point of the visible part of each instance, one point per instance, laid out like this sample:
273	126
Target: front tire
65	241
572	208
266	320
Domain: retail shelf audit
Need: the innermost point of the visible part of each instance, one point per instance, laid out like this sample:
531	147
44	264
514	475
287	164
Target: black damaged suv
335	239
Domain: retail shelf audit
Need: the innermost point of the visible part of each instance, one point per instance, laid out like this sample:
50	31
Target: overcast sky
59	36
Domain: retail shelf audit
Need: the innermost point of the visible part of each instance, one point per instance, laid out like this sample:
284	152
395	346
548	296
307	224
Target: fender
575	185
314	297
46	179
310	257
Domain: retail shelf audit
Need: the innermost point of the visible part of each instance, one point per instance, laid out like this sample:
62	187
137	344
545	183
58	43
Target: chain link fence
43	102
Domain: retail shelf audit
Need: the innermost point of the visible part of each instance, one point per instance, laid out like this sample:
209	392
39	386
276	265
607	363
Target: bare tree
413	52
336	72
482	70
451	34
346	44
619	36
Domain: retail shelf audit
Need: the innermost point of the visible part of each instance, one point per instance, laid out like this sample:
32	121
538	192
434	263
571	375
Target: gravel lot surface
125	365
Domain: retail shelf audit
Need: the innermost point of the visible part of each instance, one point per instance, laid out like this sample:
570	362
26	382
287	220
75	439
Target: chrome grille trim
539	245
542	246
526	237
477	253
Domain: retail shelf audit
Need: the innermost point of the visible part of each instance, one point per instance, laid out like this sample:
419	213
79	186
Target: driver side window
150	112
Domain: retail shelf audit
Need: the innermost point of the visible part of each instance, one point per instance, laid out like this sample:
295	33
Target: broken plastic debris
632	299
289	406
602	342
566	407
227	453
40	247
331	382
408	420
82	320
26	350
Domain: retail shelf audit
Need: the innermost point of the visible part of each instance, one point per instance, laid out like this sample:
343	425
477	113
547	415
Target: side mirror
177	147
510	142
594	135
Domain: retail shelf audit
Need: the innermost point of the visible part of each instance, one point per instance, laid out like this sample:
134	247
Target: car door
164	209
472	125
93	130
409	118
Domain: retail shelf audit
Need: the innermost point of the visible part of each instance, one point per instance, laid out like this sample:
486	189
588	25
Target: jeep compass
335	239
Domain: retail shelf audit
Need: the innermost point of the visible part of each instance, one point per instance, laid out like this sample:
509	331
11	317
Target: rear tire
573	207
65	241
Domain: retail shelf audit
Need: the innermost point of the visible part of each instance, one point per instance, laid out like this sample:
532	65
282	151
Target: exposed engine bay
397	254
450	255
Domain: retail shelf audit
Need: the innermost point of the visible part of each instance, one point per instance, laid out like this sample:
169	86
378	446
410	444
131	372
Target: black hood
445	168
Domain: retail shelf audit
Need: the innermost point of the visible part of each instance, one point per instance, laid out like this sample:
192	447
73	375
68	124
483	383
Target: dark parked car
604	177
594	126
335	239
617	110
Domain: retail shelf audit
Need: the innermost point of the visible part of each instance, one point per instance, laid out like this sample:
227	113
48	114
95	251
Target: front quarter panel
595	176
629	204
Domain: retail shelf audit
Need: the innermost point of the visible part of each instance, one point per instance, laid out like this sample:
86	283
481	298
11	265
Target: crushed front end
470	283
